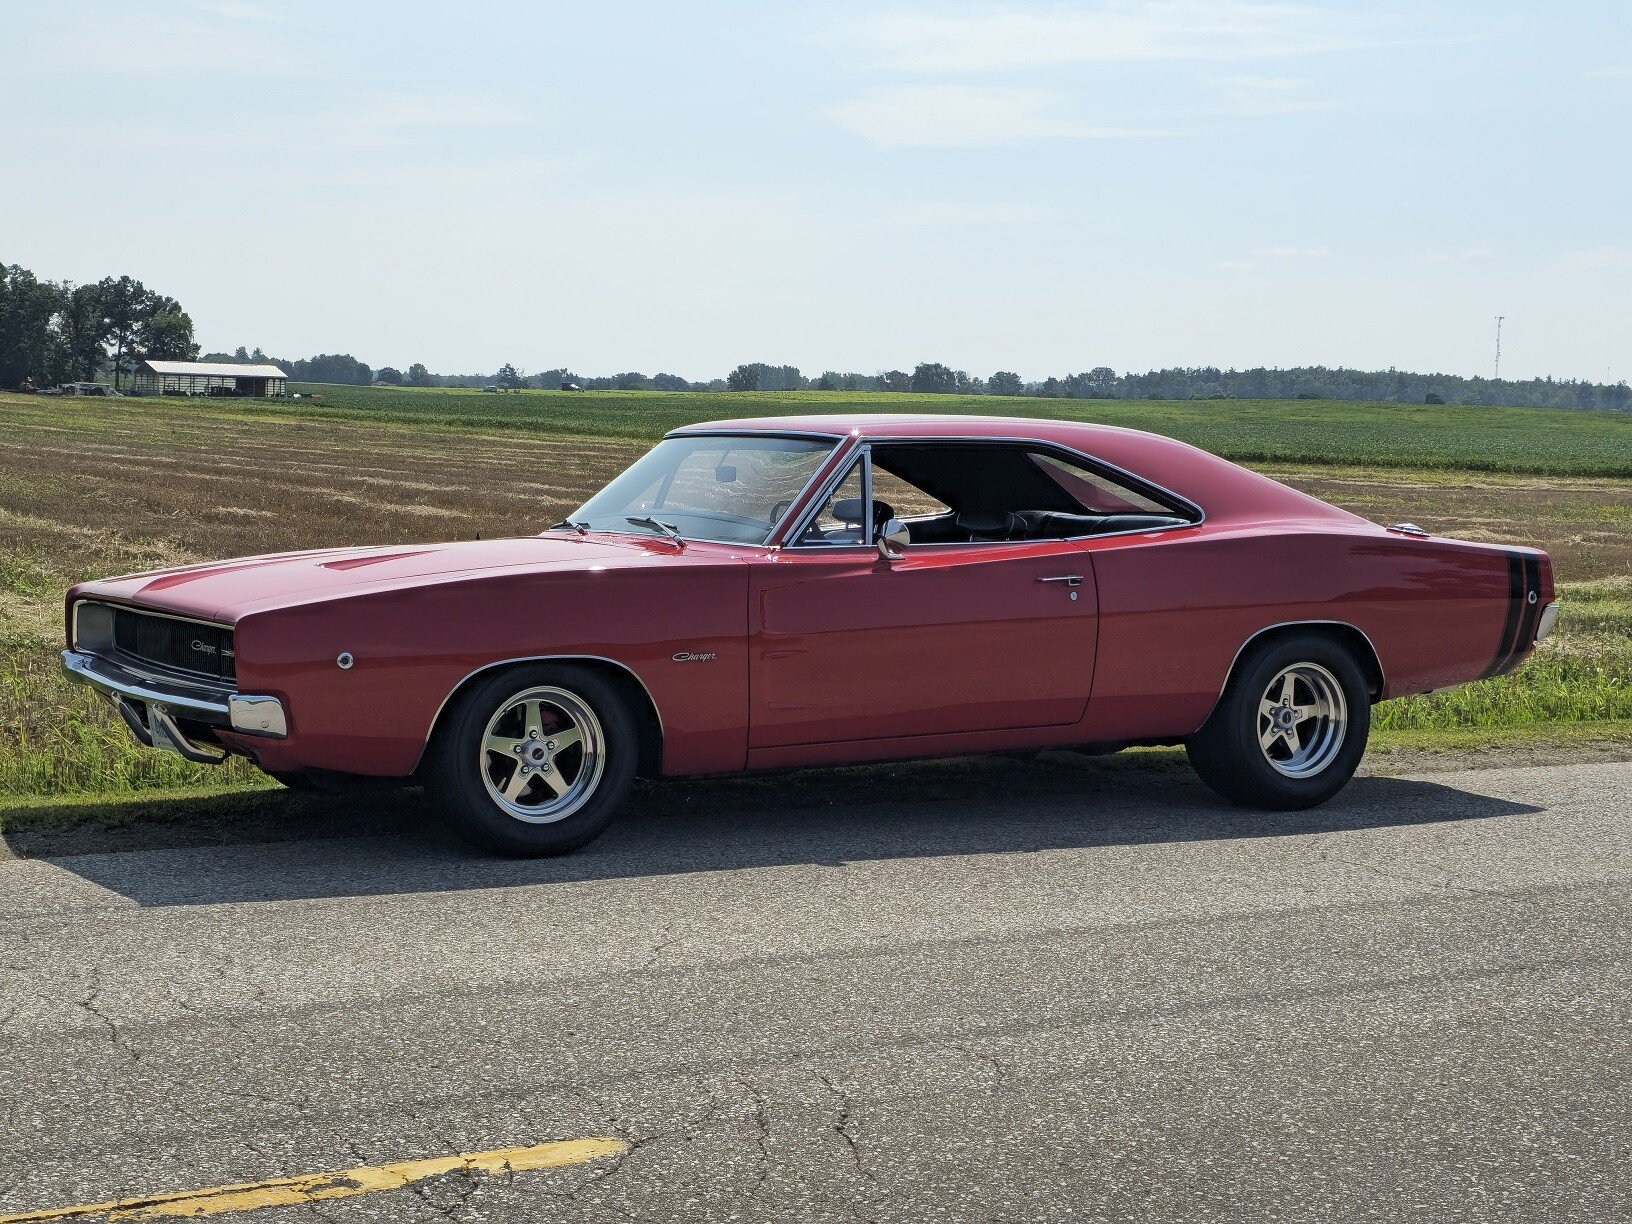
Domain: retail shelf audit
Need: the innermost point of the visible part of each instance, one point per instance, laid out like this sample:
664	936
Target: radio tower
1497	374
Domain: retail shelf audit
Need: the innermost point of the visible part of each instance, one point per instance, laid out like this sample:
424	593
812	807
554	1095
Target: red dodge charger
813	590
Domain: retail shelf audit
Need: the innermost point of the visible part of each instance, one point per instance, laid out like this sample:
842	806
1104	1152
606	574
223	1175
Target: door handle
1070	580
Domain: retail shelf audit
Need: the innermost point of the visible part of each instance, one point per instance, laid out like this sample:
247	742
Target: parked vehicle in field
761	594
82	388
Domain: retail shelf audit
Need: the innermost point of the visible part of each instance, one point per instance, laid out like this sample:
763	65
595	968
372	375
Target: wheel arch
620	675
1349	635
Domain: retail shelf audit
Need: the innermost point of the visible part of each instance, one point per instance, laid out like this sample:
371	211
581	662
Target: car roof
1223	489
889	424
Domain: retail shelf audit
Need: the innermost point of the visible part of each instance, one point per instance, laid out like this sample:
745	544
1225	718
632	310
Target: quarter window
841	520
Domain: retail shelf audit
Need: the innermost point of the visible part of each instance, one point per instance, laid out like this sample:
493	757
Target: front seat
848	511
985	526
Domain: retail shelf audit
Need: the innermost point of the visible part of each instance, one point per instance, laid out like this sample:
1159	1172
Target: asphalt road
995	992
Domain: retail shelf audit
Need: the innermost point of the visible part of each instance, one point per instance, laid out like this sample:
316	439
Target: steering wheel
781	508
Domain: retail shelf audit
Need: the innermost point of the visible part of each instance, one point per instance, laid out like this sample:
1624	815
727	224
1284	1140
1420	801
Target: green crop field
1475	439
95	487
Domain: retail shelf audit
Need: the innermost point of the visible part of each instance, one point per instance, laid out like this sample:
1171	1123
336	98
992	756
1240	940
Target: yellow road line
315	1187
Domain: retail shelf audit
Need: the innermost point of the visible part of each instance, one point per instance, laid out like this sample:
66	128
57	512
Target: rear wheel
1290	728
535	760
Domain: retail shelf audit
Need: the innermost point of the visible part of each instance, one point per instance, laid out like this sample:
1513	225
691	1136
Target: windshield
733	489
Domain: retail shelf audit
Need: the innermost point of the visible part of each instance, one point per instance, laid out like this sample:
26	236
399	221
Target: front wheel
1290	728
535	760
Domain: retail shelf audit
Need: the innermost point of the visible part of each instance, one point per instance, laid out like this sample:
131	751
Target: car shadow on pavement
277	845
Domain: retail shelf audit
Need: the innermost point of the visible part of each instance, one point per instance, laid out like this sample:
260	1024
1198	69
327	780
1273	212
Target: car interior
970	493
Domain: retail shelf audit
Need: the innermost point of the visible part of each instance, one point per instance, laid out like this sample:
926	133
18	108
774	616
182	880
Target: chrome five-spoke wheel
536	758
1302	717
542	754
1290	727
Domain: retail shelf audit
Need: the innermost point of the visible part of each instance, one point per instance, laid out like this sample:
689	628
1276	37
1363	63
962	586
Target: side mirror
893	539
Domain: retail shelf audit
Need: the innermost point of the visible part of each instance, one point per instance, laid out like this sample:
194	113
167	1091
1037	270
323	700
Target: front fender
411	647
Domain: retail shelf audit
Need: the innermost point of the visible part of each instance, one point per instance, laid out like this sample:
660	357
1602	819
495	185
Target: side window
902	498
842	519
1096	493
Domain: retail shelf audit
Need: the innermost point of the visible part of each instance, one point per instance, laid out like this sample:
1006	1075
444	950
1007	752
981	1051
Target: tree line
56	331
1100	382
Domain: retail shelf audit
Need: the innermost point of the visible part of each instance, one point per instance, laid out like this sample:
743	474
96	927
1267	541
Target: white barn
210	378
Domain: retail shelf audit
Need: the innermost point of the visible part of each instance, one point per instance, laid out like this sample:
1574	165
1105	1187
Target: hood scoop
351	563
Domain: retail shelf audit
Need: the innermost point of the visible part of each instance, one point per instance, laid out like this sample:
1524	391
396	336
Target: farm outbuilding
210	378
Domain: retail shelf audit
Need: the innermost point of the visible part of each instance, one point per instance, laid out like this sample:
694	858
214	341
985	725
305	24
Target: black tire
454	777
1227	752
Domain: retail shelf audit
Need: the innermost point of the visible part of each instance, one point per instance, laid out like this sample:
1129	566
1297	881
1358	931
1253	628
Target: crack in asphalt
762	1135
998	1066
115	1034
841	1126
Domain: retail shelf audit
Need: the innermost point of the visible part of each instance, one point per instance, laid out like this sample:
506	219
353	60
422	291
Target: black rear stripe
1515	609
1531	617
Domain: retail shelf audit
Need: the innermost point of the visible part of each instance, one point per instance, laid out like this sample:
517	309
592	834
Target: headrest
849	510
985	520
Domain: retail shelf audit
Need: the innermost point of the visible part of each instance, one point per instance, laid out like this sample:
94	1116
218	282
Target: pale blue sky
1036	187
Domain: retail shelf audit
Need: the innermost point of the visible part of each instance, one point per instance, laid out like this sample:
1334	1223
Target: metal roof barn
210	378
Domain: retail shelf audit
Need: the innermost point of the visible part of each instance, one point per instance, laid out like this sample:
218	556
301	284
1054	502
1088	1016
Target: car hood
226	590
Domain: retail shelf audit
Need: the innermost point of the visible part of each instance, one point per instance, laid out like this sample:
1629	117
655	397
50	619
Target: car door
846	645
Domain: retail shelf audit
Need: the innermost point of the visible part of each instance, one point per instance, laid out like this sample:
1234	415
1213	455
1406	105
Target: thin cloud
204	40
960	116
1291	252
1613	71
236	10
939	213
1595	259
1471	255
1119	30
370	122
1264	96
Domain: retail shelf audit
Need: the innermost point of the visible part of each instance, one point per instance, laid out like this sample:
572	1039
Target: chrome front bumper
150	705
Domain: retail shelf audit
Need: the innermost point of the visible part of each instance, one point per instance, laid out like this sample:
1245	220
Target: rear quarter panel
1176	609
413	646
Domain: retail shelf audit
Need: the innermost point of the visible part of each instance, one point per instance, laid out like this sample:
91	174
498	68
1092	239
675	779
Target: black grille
202	650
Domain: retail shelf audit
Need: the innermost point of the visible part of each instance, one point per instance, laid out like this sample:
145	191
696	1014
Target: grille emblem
203	647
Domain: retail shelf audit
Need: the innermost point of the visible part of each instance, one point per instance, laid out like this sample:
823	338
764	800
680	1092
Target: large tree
83	329
30	346
933	378
127	306
167	335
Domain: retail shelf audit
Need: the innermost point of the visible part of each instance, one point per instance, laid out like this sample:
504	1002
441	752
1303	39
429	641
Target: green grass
1517	440
57	737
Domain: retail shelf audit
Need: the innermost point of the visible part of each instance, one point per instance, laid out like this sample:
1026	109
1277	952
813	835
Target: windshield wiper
657	524
582	528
